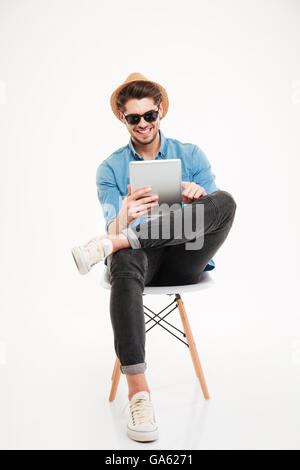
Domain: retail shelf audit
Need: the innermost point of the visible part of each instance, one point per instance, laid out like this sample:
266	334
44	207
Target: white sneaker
141	423
89	254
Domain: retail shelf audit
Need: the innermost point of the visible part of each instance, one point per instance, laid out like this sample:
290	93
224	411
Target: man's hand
136	204
192	191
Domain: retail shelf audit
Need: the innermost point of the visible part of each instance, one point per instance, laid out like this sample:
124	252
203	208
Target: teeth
144	132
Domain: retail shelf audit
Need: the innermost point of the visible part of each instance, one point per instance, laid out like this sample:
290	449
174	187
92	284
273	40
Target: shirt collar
162	150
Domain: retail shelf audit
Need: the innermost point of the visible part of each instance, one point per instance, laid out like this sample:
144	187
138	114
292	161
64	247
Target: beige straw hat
134	77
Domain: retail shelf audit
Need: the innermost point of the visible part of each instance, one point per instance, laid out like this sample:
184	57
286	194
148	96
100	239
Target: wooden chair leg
114	369
192	346
115	380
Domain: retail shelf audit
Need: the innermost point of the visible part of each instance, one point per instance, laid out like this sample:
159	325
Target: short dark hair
138	90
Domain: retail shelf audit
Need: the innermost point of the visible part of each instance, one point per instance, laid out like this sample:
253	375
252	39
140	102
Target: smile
146	132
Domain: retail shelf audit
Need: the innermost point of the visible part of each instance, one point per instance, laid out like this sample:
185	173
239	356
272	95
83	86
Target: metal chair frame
187	333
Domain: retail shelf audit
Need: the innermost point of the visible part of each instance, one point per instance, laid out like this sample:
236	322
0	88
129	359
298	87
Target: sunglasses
149	116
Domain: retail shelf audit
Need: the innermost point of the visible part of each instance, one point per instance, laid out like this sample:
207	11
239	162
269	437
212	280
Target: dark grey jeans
162	261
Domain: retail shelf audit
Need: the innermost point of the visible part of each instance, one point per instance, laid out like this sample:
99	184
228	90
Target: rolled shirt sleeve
108	193
202	173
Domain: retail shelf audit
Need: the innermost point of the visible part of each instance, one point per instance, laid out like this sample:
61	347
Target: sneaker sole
142	436
80	260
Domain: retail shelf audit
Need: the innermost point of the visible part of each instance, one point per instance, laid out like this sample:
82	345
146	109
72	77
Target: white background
231	69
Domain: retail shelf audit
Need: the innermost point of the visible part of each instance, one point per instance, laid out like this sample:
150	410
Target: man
135	260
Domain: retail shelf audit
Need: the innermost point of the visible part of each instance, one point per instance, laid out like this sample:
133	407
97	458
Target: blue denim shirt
112	175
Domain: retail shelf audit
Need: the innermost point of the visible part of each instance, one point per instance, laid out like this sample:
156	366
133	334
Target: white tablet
164	177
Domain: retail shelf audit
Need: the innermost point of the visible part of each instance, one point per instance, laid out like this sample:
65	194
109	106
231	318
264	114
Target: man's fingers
138	209
138	215
141	191
190	193
188	187
192	196
198	194
144	200
194	191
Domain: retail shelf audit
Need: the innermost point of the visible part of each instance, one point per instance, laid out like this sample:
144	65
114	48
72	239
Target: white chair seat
205	282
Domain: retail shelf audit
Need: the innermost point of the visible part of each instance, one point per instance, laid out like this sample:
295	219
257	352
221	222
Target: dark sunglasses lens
151	116
133	119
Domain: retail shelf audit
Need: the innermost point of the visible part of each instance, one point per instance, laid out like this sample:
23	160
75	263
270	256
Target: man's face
135	106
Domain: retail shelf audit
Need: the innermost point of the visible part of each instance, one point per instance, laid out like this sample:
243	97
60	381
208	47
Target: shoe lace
141	411
94	246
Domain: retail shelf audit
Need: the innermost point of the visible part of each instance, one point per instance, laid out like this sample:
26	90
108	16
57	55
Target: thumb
129	190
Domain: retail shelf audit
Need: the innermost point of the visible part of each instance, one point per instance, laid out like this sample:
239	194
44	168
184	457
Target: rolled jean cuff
134	368
132	238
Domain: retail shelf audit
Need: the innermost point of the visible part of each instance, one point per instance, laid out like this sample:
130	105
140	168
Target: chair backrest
205	282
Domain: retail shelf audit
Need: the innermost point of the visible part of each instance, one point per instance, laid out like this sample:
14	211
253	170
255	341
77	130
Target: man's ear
121	116
161	108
